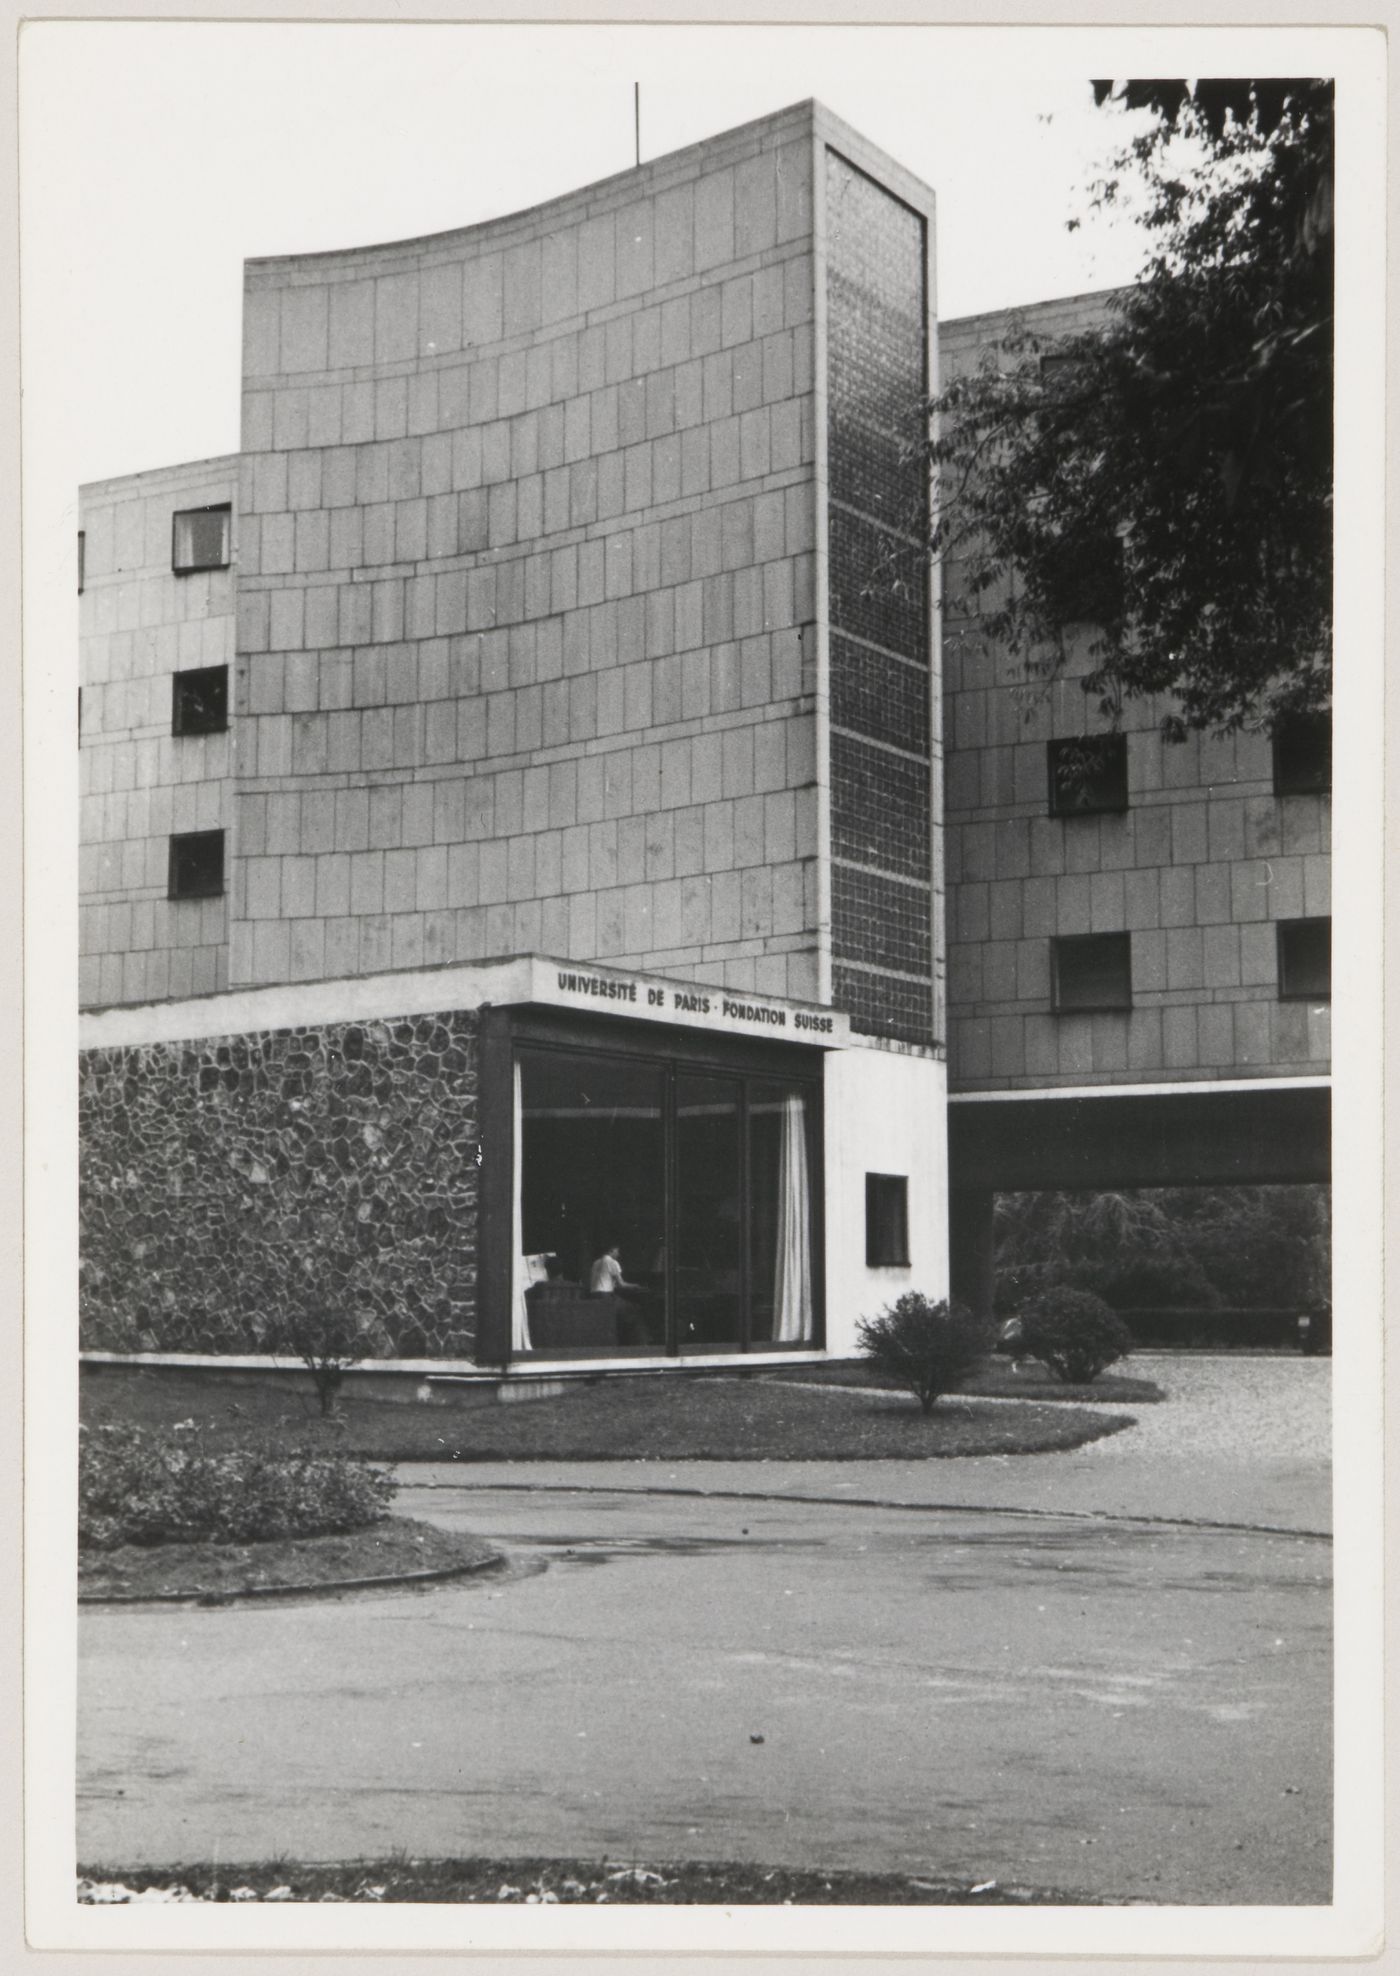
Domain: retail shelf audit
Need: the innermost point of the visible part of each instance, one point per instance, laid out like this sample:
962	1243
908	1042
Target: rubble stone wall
210	1168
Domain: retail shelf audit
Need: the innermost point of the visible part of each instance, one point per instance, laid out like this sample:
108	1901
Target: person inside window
638	1323
606	1278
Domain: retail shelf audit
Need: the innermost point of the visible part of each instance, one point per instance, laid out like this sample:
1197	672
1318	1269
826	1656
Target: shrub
928	1347
140	1488
1073	1332
328	1343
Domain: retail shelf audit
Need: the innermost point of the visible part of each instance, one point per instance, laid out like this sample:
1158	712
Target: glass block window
199	701
1088	776
886	1220
1305	960
202	539
1091	972
1303	755
197	864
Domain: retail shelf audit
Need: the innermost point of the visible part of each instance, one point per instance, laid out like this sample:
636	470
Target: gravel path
1230	1405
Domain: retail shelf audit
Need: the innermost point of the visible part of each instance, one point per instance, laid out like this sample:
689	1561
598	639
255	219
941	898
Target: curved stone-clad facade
527	586
208	1165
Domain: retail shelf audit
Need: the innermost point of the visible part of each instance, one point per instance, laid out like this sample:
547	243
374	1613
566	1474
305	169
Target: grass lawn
650	1419
393	1548
997	1381
549	1880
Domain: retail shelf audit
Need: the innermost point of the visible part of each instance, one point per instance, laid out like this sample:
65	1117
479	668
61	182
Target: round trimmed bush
139	1488
1074	1332
927	1347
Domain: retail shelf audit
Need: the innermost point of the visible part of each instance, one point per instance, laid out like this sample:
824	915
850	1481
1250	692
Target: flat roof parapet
593	201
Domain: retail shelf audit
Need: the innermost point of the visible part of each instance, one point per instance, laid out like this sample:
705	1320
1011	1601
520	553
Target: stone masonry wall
139	624
204	1165
526	586
1200	866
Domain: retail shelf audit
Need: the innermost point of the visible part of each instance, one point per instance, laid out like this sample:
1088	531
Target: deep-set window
1089	775
197	864
1305	960
1303	755
886	1219
1091	972
199	700
82	558
201	539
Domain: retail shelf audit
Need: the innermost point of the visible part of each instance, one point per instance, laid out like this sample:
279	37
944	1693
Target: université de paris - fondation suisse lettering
687	1004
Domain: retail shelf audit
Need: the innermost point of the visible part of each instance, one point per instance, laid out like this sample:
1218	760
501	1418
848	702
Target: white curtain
519	1310
792	1283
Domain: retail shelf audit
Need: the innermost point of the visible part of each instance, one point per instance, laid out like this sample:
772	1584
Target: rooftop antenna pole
637	117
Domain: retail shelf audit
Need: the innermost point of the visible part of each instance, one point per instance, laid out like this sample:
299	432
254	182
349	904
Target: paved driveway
1097	1704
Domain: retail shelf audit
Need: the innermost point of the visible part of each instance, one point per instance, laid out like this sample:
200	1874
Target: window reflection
592	1186
607	1260
709	1212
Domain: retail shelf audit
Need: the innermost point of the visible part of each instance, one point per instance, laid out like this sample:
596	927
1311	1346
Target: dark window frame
1059	756
196	568
1288	932
186	717
183	880
887	1221
1301	766
82	559
1064	946
505	1030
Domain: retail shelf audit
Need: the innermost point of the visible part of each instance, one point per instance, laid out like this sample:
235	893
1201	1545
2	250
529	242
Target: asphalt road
1106	1707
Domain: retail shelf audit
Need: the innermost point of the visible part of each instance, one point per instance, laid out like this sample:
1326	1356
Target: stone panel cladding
883	936
201	1162
527	586
1198	869
139	624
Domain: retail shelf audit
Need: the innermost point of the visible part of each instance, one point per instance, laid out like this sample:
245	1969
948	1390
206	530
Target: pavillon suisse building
530	810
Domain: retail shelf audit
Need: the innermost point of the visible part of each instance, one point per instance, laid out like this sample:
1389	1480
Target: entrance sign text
686	1003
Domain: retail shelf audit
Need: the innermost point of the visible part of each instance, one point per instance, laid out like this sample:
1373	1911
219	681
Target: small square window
199	701
197	865
1088	776
1303	755
1092	972
886	1220
1305	960
82	558
201	539
1061	369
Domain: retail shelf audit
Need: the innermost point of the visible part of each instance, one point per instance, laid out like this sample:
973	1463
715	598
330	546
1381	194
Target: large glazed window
662	1207
592	1186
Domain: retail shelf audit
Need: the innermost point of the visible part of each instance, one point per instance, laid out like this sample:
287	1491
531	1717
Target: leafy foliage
1258	1245
1125	1246
140	1488
1168	1247
1166	478
928	1348
1074	1333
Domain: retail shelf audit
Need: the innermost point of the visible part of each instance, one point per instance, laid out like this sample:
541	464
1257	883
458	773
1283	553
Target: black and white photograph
680	748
